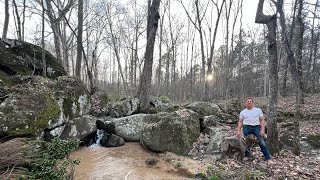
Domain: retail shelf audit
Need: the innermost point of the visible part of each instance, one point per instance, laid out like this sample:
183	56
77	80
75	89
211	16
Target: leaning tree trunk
296	80
271	22
145	81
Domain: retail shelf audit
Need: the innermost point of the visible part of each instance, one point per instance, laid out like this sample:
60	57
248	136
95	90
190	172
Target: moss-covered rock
173	132
23	58
38	103
27	114
314	140
75	95
204	108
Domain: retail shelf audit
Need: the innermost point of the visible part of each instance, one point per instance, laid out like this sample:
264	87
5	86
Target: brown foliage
14	153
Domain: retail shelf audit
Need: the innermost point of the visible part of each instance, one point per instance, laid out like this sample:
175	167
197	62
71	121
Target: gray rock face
216	136
219	118
173	132
160	105
79	128
123	108
99	100
22	58
37	103
130	127
204	108
111	140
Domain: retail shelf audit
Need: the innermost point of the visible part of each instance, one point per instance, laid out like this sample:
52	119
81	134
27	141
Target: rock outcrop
130	127
38	103
174	132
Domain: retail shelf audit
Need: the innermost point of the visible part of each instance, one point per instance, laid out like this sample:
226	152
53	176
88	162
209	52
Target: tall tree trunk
116	50
271	22
6	19
299	51
23	18
44	64
209	72
309	76
145	81
295	78
18	20
79	39
203	70
285	78
160	47
55	29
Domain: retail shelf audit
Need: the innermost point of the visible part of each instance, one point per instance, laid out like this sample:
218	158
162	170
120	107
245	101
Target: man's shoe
246	158
270	162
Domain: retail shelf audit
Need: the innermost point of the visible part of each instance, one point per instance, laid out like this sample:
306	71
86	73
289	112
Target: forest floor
129	161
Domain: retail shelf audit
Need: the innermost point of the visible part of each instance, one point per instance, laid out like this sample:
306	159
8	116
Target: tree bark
209	72
79	39
6	19
203	71
271	22
309	77
145	82
18	21
295	78
299	51
44	64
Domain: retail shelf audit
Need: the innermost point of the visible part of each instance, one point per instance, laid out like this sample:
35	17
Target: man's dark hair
250	98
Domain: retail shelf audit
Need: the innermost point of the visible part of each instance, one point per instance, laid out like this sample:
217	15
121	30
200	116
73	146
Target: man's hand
262	133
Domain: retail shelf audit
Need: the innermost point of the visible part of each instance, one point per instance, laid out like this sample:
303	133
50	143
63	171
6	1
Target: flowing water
128	162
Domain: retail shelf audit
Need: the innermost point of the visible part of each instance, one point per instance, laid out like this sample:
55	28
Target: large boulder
130	127
204	108
122	108
111	140
38	103
173	132
220	118
77	128
162	104
22	58
99	101
233	107
76	97
217	134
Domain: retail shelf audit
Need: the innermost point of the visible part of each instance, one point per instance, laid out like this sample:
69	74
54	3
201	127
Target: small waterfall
99	136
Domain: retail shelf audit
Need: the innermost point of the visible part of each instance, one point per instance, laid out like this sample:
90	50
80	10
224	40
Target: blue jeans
255	130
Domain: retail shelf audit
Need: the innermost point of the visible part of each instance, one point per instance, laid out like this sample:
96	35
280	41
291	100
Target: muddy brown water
127	162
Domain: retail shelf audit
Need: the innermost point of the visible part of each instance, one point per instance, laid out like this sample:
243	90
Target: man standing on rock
252	121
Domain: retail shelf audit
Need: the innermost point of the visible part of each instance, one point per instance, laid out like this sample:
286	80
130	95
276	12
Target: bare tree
295	76
44	65
55	22
271	22
145	81
79	38
6	19
17	18
209	72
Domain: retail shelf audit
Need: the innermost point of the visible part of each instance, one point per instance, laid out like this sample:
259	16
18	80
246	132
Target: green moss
67	107
314	140
52	110
41	119
164	99
5	80
105	99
